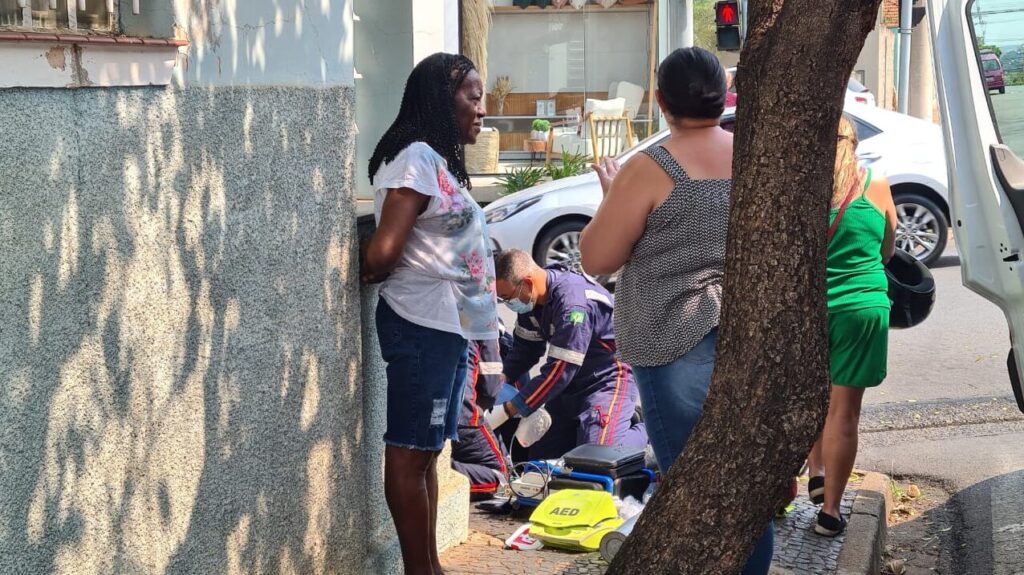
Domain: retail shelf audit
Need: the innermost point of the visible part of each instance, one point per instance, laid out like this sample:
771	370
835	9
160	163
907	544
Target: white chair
574	136
633	94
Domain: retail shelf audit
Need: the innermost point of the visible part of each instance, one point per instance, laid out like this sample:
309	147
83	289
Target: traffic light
727	22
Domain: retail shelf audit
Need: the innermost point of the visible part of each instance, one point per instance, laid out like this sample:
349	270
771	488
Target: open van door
984	144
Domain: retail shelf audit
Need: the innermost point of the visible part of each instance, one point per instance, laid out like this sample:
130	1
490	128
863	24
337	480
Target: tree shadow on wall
181	351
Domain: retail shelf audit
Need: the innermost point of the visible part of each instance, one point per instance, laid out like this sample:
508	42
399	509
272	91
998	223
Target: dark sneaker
816	489
828	526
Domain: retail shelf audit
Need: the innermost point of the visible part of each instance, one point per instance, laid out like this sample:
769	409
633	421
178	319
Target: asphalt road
1009	109
958	352
946	413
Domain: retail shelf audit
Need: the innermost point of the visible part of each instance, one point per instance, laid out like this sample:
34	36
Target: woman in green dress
861	243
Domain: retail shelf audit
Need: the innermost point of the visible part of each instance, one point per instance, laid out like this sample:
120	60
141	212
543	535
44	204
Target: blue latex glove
506	393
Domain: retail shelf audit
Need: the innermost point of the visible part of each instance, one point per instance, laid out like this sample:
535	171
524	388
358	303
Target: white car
856	93
546	220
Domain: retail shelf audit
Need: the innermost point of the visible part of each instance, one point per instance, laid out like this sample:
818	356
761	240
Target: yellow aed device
574	519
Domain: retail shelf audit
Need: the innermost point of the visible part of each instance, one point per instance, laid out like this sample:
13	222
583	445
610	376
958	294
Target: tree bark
769	391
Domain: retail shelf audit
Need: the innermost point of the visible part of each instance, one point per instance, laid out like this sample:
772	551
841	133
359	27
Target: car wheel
921	228
1002	90
560	244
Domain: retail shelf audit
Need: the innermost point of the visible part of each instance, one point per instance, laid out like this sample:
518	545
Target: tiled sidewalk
797	548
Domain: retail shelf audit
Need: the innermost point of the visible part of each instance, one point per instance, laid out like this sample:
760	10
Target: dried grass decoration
502	88
476	26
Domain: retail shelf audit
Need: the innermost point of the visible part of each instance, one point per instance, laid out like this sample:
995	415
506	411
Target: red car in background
993	72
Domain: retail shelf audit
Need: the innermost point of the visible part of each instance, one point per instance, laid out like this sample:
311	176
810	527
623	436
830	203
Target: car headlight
507	211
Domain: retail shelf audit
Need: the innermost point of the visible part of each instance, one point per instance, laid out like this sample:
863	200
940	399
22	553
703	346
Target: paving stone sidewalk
797	548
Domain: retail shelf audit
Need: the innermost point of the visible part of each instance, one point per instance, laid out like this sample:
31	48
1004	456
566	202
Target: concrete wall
184	382
875	64
390	38
383	55
283	42
181	351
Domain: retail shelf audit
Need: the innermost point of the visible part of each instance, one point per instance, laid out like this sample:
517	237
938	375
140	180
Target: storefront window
566	66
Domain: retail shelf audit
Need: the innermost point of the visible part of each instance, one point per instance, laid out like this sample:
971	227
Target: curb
866	531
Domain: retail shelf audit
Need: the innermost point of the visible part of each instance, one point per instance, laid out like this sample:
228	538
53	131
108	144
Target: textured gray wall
180	370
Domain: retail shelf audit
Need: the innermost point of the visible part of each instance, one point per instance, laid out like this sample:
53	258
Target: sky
1005	29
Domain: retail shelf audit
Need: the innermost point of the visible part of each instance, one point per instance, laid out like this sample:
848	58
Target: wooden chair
549	150
610	135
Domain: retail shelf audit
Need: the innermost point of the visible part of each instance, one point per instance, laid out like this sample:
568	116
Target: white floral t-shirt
445	278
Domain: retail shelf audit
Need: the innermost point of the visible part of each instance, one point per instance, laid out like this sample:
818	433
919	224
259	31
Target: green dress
858	300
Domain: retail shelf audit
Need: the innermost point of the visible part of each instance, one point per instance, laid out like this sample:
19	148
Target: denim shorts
672	396
426	370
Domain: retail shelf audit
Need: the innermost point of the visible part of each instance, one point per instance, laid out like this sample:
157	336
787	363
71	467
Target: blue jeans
426	369
672	397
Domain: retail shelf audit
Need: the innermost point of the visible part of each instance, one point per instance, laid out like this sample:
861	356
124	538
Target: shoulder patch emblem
577	316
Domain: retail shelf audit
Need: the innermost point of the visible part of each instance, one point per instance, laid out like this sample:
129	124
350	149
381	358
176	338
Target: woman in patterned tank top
664	222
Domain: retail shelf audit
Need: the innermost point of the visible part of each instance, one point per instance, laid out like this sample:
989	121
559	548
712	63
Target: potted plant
539	129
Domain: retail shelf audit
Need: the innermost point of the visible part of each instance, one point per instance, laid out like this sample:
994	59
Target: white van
984	144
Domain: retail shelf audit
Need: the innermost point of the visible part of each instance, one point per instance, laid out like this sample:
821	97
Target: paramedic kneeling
588	393
479	454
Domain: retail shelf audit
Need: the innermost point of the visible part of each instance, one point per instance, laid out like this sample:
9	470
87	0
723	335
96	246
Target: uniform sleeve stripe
493	444
527	334
573	357
597	296
490	367
543	388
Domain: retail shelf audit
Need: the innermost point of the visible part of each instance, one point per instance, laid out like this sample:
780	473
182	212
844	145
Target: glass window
856	84
864	130
38	14
998	27
566	66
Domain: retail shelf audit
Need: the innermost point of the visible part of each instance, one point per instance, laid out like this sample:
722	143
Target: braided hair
427	114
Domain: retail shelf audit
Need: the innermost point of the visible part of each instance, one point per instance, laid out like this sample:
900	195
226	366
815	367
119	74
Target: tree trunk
770	387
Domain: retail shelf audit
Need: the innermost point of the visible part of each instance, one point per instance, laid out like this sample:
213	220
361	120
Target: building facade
189	380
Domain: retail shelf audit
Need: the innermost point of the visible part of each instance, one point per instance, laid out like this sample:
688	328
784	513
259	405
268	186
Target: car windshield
990	65
855	86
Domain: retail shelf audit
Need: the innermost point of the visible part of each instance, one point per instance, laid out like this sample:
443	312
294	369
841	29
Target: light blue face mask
519	306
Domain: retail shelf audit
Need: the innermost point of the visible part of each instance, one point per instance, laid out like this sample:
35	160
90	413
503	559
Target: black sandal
816	489
828	526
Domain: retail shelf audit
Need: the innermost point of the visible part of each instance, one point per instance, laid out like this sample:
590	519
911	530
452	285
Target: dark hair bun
692	84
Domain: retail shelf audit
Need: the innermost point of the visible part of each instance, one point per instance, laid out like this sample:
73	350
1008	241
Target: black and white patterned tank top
669	293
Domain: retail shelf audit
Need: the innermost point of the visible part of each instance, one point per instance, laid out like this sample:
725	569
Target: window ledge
92	39
61	60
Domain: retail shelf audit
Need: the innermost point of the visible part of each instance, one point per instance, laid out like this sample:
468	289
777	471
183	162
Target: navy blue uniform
589	393
479	454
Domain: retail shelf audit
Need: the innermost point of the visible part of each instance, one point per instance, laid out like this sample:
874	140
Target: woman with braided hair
432	253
